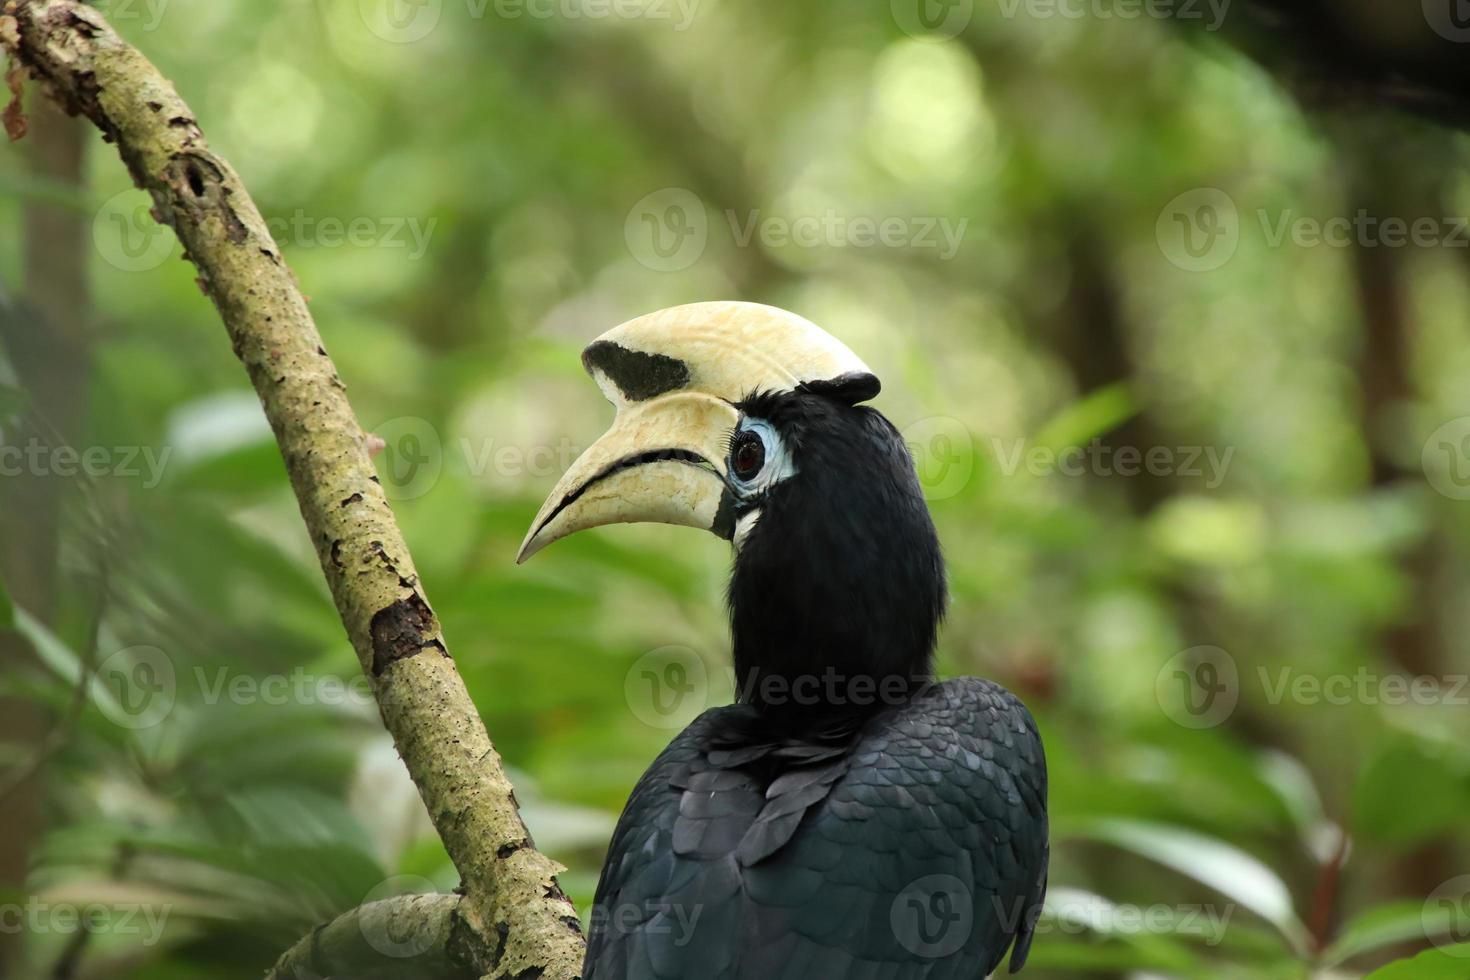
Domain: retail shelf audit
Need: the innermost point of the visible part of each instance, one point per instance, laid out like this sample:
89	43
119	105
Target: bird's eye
747	456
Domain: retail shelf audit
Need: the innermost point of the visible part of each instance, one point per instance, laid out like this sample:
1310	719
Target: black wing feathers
914	849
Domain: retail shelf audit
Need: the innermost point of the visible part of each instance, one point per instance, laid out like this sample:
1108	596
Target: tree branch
523	923
412	935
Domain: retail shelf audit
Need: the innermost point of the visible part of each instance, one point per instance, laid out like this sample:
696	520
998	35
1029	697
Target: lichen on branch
521	921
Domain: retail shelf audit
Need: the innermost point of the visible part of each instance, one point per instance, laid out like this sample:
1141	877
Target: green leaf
1386	925
1293	785
1212	862
1449	963
1409	770
7	609
63	660
53	651
1088	418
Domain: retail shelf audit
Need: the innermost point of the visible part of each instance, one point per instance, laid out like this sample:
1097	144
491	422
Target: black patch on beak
724	525
639	376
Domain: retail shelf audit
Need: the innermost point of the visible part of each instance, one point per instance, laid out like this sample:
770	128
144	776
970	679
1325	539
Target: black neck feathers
839	588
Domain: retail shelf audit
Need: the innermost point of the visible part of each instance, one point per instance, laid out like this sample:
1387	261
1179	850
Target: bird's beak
663	460
675	377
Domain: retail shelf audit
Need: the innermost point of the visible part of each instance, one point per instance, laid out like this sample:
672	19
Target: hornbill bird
849	815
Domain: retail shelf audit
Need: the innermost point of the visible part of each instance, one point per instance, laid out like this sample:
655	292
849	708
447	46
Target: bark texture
415	936
523	924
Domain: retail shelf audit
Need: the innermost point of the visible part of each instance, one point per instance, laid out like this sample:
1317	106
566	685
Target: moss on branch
522	922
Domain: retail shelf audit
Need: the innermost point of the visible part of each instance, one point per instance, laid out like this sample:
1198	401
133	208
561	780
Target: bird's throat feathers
838	588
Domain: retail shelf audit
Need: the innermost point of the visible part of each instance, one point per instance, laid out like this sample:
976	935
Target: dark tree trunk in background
1397	54
1368	67
45	337
1412	644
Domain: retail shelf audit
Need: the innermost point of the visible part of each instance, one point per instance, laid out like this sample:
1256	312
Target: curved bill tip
530	545
661	462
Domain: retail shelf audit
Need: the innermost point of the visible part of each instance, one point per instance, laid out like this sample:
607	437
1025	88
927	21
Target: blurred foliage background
1059	240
